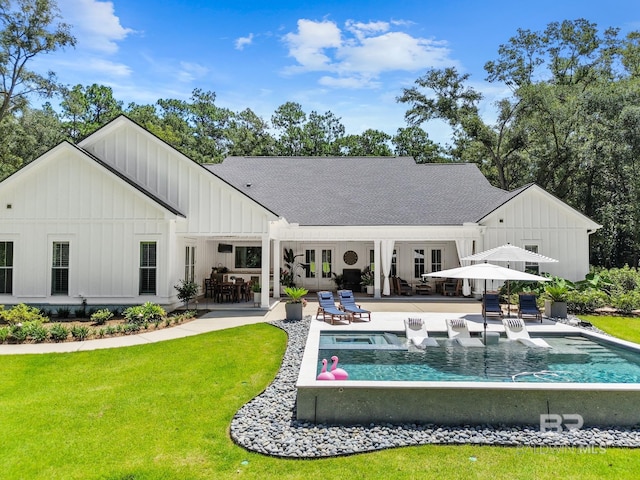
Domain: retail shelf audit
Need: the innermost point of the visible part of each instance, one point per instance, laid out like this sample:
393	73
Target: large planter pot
293	311
256	299
555	309
369	289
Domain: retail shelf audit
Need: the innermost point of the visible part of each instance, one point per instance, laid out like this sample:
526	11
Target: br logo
555	422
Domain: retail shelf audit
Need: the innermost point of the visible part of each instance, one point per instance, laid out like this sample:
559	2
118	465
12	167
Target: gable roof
363	190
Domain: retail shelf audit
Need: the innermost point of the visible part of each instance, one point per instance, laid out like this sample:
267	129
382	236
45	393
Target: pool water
574	359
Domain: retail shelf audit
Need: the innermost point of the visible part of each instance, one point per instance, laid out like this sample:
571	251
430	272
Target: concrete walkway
219	320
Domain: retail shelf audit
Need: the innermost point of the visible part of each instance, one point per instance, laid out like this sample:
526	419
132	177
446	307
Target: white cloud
190	71
309	45
244	41
359	53
94	23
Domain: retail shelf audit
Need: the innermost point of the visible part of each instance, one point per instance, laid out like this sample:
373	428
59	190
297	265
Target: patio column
264	281
376	269
465	248
276	268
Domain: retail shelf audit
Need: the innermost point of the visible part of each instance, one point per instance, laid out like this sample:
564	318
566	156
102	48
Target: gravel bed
267	424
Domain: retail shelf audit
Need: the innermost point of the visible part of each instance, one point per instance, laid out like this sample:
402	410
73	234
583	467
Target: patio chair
458	330
417	334
491	305
327	308
517	331
527	307
453	288
348	304
402	287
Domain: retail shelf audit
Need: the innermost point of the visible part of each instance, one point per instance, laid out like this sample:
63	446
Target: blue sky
350	57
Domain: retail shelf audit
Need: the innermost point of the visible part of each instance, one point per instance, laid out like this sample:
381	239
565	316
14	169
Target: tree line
570	123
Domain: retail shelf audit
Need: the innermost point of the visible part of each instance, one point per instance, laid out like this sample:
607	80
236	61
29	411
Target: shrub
623	279
101	316
626	302
36	331
79	332
111	330
131	328
63	312
58	332
586	301
4	334
17	333
148	312
21	314
187	291
101	332
79	313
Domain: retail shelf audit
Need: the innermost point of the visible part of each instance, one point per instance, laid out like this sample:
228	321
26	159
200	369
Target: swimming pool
375	356
467	386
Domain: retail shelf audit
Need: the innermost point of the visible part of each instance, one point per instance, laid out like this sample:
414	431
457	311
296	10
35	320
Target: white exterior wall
536	217
211	206
67	197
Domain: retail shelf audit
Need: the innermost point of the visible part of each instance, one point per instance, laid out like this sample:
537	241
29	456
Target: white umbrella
509	253
487	271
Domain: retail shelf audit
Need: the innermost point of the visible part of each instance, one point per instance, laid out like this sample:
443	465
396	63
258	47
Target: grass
162	411
627	328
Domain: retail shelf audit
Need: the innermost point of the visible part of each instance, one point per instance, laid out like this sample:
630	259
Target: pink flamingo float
338	373
324	375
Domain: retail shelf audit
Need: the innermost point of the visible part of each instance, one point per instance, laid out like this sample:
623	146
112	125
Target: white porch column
465	248
264	281
276	268
377	268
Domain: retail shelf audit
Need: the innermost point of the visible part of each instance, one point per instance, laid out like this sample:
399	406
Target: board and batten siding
66	196
536	217
212	207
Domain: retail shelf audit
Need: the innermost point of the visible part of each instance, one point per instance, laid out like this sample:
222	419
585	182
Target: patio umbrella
509	253
487	271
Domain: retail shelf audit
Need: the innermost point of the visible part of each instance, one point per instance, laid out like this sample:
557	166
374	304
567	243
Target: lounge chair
516	330
348	304
527	307
402	287
327	308
458	330
417	334
491	305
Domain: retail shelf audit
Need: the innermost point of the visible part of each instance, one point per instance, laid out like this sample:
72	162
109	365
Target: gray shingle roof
363	190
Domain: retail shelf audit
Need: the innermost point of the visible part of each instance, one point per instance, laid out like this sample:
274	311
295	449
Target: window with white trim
148	265
6	267
532	267
189	264
60	269
418	262
436	260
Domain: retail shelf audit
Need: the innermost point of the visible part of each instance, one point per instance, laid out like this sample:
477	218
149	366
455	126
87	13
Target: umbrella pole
484	316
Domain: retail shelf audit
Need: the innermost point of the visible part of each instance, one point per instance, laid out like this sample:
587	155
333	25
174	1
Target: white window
436	260
532	267
189	264
418	262
6	267
60	269
147	268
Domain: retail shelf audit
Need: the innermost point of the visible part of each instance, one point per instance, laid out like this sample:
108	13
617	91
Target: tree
249	135
370	143
289	120
415	142
29	29
85	109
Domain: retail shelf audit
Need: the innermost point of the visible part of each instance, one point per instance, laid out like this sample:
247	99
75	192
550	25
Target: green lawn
162	411
627	328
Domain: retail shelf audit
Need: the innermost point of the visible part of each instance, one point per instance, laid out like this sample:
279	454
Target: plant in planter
257	290
367	279
295	302
556	293
338	279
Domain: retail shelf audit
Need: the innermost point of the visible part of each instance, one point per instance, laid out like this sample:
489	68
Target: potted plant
338	279
255	288
556	293
367	279
295	302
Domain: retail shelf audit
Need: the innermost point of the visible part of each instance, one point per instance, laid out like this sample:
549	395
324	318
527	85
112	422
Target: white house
122	217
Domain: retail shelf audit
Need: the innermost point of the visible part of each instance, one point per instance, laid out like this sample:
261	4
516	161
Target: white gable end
211	205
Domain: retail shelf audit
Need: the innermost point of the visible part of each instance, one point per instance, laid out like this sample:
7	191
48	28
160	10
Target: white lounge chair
417	333
516	330
458	330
